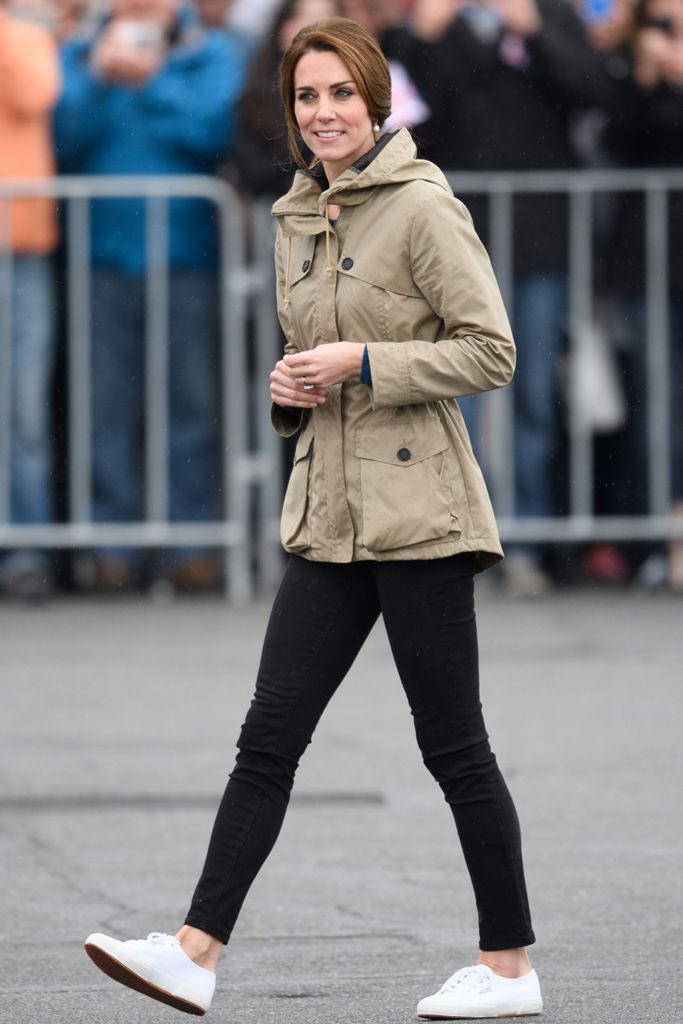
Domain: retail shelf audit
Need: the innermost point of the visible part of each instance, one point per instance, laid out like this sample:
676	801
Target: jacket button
347	263
305	265
403	454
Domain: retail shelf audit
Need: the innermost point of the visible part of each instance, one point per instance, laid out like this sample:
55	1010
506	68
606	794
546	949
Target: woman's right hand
287	390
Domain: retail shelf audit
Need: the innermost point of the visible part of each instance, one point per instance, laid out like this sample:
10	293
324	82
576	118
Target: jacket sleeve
645	125
285	421
191	103
452	270
29	68
84	110
565	60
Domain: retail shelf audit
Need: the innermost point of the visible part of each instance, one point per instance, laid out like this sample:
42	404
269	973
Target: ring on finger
307	387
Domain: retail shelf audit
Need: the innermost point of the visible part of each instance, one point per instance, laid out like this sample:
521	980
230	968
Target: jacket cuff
390	374
285	421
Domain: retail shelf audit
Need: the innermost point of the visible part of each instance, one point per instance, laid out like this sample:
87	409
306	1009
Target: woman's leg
320	619
428	610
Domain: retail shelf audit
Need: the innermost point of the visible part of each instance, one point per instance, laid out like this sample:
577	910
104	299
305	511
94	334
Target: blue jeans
540	311
671	404
118	367
32	357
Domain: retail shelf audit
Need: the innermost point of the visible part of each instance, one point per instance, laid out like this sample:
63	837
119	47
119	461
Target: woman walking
390	310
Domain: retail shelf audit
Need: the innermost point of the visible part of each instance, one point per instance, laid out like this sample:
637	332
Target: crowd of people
166	87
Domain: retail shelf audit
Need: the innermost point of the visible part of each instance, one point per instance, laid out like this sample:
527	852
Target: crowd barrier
252	461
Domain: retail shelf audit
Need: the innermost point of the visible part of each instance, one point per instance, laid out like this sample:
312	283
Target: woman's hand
651	49
328	364
117	60
287	389
520	16
429	19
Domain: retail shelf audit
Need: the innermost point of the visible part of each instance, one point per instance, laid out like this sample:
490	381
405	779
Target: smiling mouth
329	135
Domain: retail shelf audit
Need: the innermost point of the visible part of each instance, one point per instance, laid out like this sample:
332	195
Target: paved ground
116	732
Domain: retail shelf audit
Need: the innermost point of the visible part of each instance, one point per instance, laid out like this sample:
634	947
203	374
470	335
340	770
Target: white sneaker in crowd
478	992
157	966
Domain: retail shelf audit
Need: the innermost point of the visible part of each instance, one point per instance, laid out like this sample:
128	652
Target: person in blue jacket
151	93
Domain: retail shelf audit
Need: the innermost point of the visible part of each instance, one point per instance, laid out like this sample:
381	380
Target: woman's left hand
328	364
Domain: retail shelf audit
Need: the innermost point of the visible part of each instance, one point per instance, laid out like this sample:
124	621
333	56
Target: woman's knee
267	771
464	773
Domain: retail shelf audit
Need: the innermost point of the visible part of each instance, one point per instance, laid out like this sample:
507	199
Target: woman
386	512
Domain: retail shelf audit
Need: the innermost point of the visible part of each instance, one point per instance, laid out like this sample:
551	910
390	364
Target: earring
376	128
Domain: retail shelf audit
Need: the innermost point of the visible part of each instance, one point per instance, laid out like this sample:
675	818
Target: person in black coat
503	80
646	130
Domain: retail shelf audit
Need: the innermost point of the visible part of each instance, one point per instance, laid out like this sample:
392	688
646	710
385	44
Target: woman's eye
305	96
344	93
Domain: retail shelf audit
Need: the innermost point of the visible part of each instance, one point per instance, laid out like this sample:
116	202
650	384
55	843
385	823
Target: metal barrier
232	533
581	524
252	466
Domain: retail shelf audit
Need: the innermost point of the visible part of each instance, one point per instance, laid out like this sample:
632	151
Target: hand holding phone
129	52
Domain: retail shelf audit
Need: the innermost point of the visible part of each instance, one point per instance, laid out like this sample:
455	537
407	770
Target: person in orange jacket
29	86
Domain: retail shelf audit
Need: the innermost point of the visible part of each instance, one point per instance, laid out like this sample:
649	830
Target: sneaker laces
158	939
469	979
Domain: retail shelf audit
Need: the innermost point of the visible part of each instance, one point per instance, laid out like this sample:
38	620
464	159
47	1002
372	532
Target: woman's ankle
508	963
203	949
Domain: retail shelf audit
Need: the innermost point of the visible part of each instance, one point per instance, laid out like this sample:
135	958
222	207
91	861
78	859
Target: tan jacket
387	472
29	85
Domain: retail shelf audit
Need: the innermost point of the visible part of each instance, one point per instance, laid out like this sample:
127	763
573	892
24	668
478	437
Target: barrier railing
232	532
581	188
249	530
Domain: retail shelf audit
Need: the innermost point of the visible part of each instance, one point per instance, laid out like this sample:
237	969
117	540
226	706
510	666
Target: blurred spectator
29	83
646	130
262	157
503	79
151	93
609	26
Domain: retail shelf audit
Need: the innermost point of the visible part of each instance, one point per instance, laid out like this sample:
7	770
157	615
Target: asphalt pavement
117	727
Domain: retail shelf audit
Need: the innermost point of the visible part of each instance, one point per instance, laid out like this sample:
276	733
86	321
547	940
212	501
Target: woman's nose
325	111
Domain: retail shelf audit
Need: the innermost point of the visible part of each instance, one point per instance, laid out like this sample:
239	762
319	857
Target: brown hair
359	52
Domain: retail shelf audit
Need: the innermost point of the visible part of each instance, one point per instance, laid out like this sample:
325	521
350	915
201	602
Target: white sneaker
157	966
478	992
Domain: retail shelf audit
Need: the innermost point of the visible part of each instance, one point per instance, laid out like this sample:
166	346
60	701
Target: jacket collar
391	161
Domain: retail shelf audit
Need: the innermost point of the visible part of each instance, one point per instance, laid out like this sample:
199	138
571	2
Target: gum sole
498	1016
125	976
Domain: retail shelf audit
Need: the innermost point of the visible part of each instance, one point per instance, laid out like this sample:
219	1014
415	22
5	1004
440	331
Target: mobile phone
140	35
595	11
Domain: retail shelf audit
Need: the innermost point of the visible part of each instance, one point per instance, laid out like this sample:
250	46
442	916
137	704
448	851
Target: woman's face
305	13
332	117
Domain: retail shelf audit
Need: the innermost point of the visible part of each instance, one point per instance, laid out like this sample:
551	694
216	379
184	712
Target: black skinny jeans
320	619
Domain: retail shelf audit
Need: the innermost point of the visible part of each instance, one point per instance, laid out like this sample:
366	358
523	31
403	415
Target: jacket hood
392	161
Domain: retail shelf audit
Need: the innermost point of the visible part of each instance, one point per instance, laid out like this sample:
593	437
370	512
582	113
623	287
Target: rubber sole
119	972
496	1016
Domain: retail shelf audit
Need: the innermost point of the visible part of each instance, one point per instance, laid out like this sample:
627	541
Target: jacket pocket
405	490
295	530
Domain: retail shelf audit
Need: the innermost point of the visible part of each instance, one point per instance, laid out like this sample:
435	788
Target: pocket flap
387	275
400	450
303	445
